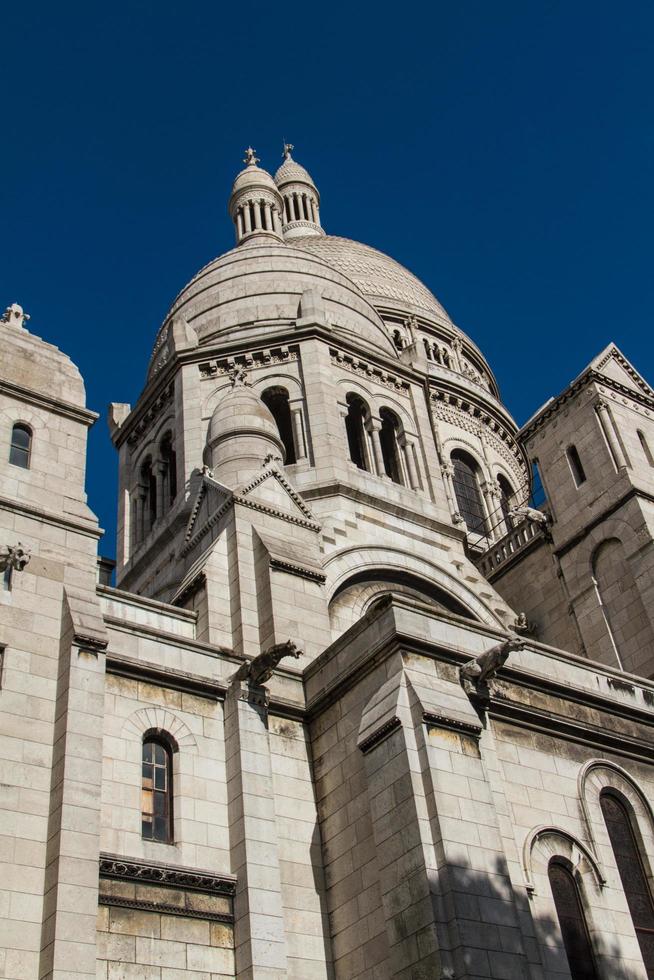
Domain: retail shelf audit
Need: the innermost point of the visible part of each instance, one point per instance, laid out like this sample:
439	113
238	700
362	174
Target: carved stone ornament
14	557
157	874
256	672
15	316
476	674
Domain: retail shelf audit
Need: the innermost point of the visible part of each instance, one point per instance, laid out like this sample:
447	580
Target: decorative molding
189	879
164	908
161	351
452	724
154	409
570	844
250	360
473	419
296	569
380	734
361	367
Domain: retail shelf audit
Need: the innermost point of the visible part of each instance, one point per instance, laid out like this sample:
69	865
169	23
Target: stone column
257	215
447	469
374	428
268	216
298	432
141	495
606	423
160	468
239	223
409	458
248	218
259	924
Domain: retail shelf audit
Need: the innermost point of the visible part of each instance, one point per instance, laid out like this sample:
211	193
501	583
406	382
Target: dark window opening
572	921
156	792
645	447
169	457
576	466
148	497
357	414
277	401
20	449
466	489
632	873
388	439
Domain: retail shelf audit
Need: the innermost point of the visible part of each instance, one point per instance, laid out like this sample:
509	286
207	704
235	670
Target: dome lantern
255	204
301	199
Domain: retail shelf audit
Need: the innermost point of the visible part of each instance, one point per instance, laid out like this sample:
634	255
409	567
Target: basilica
354	702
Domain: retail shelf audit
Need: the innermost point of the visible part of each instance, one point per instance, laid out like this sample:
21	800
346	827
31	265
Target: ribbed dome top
379	277
253	176
291	172
241	410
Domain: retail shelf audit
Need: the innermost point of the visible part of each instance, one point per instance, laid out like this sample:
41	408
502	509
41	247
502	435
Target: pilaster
259	926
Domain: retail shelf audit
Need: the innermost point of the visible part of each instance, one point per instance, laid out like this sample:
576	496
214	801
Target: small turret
242	433
301	198
255	204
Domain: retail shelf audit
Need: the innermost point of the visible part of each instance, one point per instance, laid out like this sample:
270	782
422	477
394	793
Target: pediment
271	492
615	367
210	500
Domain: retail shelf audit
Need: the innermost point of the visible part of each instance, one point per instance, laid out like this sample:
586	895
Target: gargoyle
530	514
14	557
259	670
475	674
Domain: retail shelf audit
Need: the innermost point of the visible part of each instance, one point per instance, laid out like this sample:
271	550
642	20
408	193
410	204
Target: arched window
466	488
277	401
157	790
388	433
169	475
572	921
357	414
578	473
506	496
20	449
645	447
632	873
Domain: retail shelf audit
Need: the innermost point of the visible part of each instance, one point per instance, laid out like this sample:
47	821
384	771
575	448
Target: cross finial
15	316
287	150
251	157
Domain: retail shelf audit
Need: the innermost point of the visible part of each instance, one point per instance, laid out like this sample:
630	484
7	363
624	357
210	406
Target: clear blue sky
502	151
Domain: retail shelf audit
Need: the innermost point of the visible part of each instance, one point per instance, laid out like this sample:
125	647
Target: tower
52	649
592	445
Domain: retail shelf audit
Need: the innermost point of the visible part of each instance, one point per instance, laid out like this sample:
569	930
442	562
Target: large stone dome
380	278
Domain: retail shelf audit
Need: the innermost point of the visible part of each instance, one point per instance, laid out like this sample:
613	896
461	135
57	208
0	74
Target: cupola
242	434
301	198
255	204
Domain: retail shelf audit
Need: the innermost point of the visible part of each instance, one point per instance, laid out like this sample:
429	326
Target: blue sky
502	151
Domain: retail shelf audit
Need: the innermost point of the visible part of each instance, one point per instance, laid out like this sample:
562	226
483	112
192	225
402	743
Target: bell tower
594	448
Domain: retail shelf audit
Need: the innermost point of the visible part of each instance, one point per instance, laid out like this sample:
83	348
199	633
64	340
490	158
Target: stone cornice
154	873
337	488
55	405
550	409
89	530
198	685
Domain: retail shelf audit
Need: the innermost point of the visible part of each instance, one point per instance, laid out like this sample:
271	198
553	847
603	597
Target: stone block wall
147	932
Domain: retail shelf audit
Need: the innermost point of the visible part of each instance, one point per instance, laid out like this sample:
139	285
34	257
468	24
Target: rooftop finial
251	157
15	316
287	150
